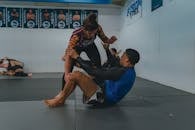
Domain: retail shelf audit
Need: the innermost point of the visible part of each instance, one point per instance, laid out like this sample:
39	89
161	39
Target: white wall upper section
41	49
166	40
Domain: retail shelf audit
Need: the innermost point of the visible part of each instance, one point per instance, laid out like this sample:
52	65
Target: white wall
166	40
41	49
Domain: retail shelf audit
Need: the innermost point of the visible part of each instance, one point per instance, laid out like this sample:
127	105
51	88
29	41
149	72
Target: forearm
104	38
106	74
102	35
68	60
73	41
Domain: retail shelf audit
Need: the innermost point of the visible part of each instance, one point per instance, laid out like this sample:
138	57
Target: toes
53	103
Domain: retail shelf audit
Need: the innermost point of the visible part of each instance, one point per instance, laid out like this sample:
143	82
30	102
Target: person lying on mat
13	67
116	81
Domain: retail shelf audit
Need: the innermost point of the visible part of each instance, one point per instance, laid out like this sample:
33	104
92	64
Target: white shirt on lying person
3	69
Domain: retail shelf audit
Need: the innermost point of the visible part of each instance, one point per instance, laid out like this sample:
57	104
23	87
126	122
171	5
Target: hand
112	40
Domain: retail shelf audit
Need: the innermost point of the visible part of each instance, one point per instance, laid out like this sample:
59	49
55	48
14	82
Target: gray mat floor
149	106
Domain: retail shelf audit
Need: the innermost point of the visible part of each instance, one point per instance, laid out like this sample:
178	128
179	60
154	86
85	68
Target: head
129	58
76	12
61	11
4	62
14	10
90	25
30	11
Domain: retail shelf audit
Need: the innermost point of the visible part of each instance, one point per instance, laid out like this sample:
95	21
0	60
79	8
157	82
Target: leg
10	73
62	96
63	81
63	84
93	54
86	84
20	73
79	50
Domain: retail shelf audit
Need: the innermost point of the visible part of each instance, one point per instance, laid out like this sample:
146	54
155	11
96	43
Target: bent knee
76	75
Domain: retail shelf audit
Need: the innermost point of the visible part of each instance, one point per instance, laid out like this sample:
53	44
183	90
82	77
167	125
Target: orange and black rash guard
78	38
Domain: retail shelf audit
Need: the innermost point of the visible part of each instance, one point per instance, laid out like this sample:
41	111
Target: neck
128	65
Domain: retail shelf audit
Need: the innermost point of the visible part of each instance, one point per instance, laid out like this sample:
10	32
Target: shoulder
130	71
130	68
78	31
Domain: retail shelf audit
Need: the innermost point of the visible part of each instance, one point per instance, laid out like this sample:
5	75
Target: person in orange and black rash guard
82	40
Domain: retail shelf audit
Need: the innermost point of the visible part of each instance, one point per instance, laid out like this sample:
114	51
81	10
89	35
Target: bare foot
55	102
59	94
29	74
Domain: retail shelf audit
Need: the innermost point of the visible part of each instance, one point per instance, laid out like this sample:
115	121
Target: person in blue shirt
106	85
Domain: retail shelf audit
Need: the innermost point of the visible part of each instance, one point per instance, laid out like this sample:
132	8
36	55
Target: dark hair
133	55
90	23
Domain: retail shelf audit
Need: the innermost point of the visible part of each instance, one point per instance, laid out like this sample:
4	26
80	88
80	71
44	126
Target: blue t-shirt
116	90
